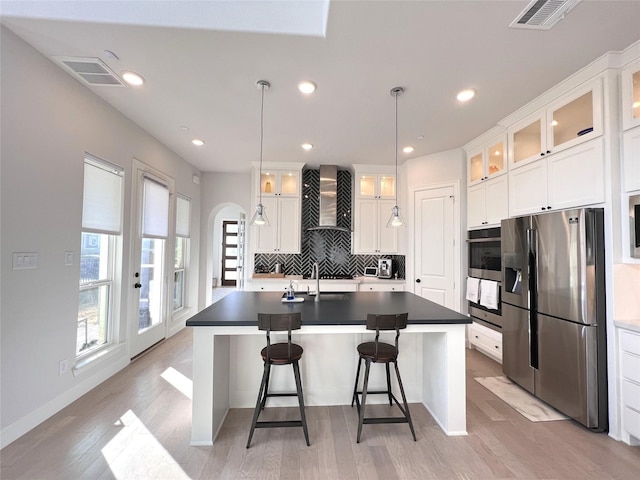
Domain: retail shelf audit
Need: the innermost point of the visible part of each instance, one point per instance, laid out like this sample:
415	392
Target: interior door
150	276
434	245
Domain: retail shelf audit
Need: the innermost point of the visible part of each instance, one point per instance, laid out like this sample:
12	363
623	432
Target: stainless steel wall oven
485	263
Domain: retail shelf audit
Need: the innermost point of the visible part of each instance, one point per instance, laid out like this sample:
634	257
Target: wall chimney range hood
328	210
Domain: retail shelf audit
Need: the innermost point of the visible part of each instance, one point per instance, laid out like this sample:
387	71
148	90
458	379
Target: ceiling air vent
91	70
543	14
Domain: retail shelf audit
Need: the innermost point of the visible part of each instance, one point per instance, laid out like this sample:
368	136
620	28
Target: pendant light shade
259	218
395	220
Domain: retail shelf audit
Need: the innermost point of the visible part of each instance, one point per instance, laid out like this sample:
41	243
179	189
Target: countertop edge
321	324
633	325
298	278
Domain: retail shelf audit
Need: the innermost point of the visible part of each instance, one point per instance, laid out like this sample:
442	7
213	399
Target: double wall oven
485	263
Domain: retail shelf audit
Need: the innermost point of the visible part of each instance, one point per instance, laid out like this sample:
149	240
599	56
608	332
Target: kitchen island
227	365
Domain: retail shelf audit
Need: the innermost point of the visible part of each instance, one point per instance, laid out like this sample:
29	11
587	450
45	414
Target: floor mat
521	400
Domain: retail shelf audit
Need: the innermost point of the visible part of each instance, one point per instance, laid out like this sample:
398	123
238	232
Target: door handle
417	280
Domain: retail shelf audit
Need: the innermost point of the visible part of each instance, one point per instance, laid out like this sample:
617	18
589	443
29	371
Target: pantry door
434	245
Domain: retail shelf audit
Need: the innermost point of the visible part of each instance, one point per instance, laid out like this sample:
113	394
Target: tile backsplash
330	248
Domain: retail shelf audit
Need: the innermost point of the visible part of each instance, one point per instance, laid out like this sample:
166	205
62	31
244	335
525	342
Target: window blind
155	216
102	198
183	217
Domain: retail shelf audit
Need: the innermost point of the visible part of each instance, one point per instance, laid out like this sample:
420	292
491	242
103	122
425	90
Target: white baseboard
18	428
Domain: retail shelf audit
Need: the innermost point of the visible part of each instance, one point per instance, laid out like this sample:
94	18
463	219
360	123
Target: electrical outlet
63	367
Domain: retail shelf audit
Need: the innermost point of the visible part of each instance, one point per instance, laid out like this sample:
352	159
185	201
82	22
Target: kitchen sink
329	297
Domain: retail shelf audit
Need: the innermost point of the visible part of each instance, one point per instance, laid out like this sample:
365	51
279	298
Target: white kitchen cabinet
630	385
487	161
282	235
488	202
571	178
276	183
381	286
630	79
374	199
631	159
486	340
572	119
376	184
281	197
371	234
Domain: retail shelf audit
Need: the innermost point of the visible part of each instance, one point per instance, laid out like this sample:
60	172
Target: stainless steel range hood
328	199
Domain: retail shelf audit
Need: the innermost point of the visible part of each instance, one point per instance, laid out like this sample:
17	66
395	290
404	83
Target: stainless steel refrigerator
553	311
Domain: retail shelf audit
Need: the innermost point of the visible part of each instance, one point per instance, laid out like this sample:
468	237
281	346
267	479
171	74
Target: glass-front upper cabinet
376	185
570	120
488	160
631	95
280	183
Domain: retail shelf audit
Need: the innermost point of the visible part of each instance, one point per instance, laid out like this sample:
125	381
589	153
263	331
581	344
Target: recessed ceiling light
307	146
197	142
184	128
420	137
466	95
132	78
408	149
307	87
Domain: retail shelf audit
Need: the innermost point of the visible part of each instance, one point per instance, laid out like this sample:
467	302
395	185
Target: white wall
48	122
440	168
220	192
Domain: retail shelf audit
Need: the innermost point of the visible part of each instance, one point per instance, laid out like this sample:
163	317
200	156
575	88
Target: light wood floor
137	426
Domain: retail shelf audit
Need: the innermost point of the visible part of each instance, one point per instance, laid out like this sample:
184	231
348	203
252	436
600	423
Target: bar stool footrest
282	423
385	420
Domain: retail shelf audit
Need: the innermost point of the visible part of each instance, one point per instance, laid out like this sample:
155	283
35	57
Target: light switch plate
68	259
24	260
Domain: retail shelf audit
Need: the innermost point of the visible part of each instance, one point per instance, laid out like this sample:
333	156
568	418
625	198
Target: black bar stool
279	354
380	352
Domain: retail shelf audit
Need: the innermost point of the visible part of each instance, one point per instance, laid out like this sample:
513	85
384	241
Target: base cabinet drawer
631	421
630	342
630	385
631	366
381	287
631	394
267	286
487	341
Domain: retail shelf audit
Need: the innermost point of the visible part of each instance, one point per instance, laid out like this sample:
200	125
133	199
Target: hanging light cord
261	136
396	189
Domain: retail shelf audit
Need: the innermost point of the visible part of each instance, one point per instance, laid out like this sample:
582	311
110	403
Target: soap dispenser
290	291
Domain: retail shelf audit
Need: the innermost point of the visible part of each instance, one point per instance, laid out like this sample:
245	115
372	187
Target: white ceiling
203	76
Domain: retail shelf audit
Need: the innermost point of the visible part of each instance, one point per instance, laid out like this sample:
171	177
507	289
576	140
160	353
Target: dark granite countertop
350	308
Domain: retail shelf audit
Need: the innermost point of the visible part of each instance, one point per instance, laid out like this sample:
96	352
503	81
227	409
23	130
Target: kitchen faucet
315	270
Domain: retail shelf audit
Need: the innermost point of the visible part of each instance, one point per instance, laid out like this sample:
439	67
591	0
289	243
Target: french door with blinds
150	278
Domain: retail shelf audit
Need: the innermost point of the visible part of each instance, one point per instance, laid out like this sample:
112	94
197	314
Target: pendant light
260	217
395	220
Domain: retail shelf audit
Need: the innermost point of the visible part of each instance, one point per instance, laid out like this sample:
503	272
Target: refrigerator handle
532	255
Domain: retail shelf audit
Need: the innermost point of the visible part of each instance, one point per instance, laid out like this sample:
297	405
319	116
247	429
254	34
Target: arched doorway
221	215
